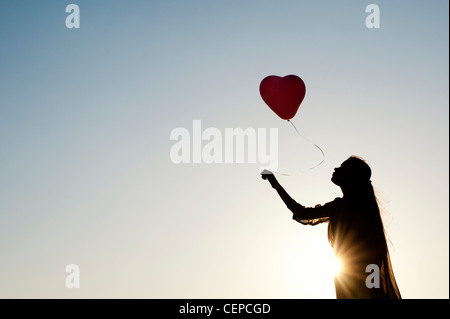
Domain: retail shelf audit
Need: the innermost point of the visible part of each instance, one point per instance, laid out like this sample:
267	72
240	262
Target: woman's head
353	173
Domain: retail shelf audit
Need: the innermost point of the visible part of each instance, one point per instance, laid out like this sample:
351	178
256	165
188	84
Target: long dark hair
359	228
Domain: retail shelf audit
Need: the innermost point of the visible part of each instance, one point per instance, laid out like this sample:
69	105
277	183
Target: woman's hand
265	174
268	175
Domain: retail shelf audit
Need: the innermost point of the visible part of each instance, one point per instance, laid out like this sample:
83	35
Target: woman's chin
334	181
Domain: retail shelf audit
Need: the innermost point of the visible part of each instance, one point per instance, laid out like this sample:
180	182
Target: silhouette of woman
355	231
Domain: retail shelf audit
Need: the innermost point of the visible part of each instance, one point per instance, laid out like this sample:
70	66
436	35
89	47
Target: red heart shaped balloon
283	94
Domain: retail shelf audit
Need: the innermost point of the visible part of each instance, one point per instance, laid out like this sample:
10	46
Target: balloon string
317	146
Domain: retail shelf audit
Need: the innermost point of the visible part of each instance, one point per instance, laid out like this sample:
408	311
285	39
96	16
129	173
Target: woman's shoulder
335	205
339	201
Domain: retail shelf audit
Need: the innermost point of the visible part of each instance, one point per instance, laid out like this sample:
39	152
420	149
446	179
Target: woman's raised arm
300	212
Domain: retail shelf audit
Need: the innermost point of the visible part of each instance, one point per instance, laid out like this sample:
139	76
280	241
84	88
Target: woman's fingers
266	172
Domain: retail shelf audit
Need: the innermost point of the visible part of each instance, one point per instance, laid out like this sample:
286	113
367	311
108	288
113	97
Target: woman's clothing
356	233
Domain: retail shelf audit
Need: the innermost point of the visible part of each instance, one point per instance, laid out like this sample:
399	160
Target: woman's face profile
337	177
340	174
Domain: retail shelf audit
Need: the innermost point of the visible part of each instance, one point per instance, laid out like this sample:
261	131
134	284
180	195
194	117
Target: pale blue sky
85	118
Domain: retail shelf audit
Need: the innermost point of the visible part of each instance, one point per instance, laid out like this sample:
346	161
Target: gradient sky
85	119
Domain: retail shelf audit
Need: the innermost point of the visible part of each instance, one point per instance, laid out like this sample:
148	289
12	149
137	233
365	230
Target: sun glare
336	266
315	268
